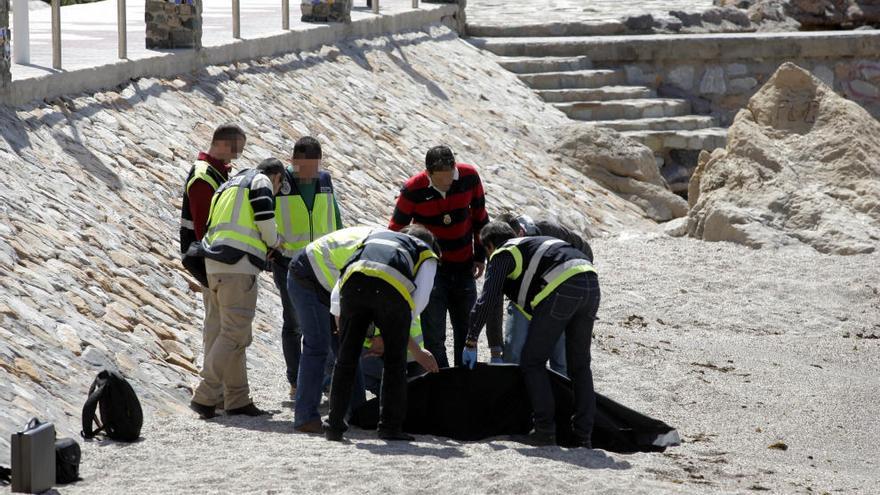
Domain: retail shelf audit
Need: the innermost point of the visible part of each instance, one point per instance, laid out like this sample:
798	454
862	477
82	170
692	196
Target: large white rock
621	164
801	167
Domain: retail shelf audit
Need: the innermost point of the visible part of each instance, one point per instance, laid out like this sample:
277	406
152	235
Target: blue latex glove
496	355
469	357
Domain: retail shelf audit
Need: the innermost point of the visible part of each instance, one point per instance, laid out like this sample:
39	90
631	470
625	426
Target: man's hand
479	268
377	346
426	360
497	355
469	357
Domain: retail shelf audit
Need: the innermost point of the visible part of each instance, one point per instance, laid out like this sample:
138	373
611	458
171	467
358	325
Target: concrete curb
177	62
718	47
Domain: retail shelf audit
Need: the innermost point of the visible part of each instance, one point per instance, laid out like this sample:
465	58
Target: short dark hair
422	234
228	132
510	219
307	147
271	166
439	159
496	233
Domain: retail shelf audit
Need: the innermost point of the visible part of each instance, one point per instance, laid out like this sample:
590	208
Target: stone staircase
567	79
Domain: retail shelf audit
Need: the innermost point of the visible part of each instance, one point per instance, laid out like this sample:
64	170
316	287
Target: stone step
681	123
596	94
532	65
595	28
534	47
574	79
698	139
644	108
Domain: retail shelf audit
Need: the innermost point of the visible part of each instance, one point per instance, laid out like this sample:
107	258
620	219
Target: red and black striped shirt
463	207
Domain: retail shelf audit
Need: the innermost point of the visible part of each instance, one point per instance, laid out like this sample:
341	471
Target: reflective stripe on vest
387	273
415	333
231	220
203	171
532	269
329	254
298	226
553	278
200	171
560	274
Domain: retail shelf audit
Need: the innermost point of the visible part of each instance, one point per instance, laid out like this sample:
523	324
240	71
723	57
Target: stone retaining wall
718	75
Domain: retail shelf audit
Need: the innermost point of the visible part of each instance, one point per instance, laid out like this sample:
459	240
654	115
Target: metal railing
56	34
121	29
236	19
21	44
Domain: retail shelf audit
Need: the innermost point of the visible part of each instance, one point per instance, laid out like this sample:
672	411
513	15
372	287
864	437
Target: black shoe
395	435
538	439
583	442
248	410
205	412
331	433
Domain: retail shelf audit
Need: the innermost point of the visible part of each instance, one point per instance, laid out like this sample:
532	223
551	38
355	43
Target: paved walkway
528	12
89	36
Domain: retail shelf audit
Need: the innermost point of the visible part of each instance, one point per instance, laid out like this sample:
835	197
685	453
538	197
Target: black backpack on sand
121	413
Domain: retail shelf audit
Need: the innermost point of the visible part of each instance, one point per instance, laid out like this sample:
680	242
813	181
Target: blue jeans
291	337
318	350
314	320
569	309
516	329
455	291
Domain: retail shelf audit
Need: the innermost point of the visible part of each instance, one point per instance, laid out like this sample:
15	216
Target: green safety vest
542	264
297	225
328	255
415	333
232	229
392	257
200	171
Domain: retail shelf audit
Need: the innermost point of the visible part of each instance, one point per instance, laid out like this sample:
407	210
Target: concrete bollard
326	10
173	24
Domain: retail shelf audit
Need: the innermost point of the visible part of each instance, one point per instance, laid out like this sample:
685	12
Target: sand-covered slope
91	189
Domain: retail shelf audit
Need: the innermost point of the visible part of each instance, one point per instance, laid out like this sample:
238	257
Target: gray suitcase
33	458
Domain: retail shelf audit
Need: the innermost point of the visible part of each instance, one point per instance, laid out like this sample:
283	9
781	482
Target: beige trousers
233	297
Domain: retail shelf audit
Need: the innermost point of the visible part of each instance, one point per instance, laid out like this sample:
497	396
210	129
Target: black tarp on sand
491	400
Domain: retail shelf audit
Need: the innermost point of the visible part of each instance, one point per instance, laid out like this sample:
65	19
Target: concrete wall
50	86
719	74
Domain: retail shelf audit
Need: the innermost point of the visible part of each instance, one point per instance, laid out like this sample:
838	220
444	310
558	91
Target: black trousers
365	300
571	308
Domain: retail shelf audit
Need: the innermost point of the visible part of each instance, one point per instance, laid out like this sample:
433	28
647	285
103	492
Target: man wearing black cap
448	199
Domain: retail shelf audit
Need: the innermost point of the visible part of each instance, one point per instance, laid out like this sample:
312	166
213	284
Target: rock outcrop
801	167
811	14
621	164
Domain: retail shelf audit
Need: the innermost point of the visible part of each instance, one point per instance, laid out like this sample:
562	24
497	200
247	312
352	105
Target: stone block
173	24
326	11
864	89
682	76
713	81
737	70
742	85
687	19
639	23
824	74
